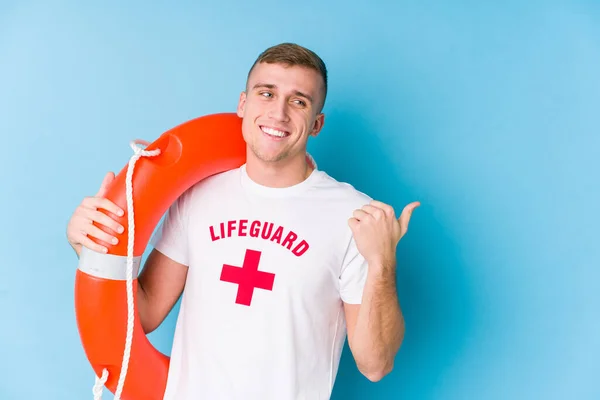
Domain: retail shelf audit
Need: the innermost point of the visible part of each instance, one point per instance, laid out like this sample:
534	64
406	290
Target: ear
241	105
318	125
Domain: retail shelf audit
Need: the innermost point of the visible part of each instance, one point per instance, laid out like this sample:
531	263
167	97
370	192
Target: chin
271	158
266	157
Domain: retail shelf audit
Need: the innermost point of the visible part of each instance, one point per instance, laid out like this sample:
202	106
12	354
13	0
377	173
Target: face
280	111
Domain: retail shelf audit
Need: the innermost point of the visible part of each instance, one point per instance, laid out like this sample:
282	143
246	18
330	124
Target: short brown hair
291	54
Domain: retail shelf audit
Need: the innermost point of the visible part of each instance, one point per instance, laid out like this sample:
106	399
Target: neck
278	174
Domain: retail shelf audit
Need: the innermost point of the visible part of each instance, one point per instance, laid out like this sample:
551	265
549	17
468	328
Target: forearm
379	328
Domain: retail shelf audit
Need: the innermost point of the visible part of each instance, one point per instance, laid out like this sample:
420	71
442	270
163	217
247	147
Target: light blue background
487	113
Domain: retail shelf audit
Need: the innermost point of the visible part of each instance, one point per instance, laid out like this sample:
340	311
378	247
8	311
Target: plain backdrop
486	112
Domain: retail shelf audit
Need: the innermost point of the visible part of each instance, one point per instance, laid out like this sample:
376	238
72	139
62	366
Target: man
278	260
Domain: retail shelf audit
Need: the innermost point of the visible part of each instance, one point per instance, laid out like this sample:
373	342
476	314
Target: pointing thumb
405	216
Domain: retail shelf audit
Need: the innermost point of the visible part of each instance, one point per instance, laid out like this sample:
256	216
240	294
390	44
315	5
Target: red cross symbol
248	277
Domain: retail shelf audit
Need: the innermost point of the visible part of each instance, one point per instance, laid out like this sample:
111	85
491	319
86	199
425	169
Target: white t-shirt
261	316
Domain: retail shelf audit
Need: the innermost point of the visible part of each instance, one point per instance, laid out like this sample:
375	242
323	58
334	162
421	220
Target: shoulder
341	193
219	180
333	202
214	184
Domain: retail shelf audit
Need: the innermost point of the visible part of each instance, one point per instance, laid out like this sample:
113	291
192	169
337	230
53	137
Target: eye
300	103
266	94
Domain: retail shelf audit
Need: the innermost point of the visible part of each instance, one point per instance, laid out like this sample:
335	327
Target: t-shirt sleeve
171	236
353	276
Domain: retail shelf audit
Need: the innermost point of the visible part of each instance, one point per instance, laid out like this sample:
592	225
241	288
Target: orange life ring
188	154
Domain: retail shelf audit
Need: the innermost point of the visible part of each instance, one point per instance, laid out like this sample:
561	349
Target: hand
81	228
377	231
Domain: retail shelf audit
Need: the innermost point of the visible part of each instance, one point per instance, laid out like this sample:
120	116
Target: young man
279	261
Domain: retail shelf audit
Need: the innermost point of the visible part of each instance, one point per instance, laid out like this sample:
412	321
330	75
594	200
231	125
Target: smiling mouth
274	133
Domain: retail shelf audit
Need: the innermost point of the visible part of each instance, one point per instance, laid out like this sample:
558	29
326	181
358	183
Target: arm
376	326
160	284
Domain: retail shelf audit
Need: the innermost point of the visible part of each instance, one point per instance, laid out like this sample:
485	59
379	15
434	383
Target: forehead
287	78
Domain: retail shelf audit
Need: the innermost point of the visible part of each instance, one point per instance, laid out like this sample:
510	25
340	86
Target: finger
353	223
86	215
388	209
374	211
360	215
90	244
409	208
93	231
84	222
101	218
406	215
108	178
95	203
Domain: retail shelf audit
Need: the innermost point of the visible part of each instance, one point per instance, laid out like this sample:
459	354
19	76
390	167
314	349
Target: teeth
273	132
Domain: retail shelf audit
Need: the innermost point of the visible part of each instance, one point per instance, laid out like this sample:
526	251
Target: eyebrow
271	86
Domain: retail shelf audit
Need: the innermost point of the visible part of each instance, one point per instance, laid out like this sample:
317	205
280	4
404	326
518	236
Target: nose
279	110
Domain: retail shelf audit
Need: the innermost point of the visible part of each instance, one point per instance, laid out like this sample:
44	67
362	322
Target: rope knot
139	151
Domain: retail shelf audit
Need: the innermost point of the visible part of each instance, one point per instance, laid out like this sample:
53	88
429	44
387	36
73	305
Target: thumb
405	216
108	178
